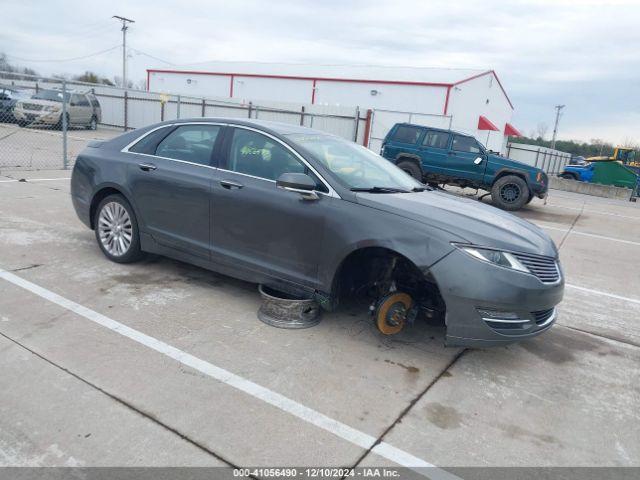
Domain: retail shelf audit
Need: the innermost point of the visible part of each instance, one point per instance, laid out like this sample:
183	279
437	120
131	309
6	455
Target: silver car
45	108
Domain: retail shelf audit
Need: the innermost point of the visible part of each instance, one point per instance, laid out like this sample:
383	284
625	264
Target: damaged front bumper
488	305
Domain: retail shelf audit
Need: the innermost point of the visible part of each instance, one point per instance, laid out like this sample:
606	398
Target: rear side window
406	134
190	143
436	140
148	144
465	144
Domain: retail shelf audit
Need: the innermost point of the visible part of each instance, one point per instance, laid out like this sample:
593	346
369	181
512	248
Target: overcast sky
585	54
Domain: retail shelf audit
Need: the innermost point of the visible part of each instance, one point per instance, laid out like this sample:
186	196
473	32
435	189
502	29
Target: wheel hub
391	313
510	192
115	229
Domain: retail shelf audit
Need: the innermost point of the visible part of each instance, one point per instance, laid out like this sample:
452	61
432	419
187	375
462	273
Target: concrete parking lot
160	363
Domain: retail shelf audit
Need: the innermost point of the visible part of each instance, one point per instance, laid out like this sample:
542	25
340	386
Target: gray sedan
311	214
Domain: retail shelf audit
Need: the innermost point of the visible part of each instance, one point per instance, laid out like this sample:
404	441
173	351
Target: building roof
442	76
434	76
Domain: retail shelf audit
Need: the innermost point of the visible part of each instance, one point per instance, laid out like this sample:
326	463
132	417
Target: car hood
37	101
466	219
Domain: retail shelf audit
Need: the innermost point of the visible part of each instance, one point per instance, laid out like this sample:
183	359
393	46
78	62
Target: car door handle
451	154
228	184
147	166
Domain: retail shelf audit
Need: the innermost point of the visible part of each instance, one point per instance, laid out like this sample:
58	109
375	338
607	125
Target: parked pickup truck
438	156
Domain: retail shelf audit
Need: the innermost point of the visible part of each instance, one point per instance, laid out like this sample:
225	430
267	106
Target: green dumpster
613	173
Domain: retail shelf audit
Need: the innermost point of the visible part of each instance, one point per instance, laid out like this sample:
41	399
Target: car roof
268	126
435	128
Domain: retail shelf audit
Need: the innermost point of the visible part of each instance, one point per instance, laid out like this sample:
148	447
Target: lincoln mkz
311	214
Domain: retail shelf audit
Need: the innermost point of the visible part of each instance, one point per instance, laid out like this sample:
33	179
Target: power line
59	60
150	56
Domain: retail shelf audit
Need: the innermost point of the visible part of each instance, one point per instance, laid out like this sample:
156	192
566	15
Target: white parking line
598	292
593	235
29	180
275	399
610	214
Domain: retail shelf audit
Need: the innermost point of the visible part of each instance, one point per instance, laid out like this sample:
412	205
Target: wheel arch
506	172
359	263
102	192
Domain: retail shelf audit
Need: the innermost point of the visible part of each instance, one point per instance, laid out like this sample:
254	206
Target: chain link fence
46	122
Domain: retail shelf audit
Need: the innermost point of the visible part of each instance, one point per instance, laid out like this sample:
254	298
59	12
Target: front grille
32	106
542	316
545	268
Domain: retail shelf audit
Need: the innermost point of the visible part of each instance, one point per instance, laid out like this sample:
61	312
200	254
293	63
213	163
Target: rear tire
116	230
93	123
510	193
412	169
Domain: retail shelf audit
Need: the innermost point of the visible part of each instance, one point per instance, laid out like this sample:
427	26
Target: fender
513	171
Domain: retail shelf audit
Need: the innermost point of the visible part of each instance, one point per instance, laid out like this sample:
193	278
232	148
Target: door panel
173	200
462	155
257	225
267	228
434	151
173	194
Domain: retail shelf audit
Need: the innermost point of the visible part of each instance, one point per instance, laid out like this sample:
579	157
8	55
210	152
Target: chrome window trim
125	149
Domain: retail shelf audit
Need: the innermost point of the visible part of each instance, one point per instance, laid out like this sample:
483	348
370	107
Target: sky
582	54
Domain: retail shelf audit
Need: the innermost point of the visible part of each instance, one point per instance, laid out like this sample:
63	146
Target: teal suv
437	156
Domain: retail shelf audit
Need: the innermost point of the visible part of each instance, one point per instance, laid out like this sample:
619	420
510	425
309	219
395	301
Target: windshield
356	166
52	95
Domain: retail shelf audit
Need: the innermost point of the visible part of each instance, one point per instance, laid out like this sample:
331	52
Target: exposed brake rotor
391	312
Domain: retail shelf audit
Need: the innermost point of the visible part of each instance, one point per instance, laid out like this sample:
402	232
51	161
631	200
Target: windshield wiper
380	190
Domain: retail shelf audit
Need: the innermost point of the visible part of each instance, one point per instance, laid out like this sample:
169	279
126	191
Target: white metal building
473	101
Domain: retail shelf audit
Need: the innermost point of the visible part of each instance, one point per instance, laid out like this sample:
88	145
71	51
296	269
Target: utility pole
124	47
555	127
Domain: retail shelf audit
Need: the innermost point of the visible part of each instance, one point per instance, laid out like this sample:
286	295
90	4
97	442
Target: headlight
503	259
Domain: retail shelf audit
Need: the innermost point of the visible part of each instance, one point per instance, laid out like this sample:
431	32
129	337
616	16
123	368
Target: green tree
90	77
593	148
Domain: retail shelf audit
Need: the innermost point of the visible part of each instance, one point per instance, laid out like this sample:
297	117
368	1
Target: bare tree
541	130
629	142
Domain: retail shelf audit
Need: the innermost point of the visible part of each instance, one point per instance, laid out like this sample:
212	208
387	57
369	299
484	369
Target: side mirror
299	183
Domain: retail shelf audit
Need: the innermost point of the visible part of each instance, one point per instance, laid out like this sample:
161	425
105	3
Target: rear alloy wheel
510	193
93	124
117	230
411	169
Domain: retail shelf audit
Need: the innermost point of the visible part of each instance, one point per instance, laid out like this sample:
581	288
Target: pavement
160	363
